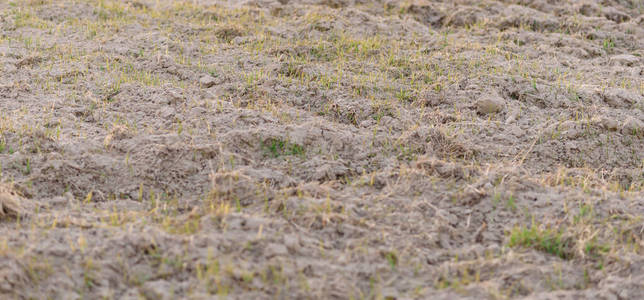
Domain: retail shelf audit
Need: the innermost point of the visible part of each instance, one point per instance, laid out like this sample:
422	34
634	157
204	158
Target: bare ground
315	149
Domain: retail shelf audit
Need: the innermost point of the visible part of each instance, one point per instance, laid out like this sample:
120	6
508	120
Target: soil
321	149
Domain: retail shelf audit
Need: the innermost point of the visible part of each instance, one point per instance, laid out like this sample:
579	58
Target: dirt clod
489	104
624	59
207	81
633	126
11	204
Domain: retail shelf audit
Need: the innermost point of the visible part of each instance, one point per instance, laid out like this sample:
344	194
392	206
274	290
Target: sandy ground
321	149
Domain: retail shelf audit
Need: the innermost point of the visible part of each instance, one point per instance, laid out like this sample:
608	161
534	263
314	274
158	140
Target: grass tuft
547	240
279	147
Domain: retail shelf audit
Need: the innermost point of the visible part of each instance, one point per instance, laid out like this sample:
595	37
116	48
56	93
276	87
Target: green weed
547	240
279	147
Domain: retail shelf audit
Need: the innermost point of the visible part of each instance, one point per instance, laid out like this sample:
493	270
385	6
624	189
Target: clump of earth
321	149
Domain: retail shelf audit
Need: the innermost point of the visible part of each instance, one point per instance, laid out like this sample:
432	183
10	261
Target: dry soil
321	149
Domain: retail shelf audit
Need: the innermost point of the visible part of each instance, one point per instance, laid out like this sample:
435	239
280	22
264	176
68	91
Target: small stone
207	81
624	60
490	104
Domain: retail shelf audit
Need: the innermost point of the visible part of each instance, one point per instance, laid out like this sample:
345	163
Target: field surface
321	149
